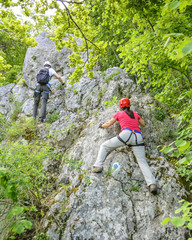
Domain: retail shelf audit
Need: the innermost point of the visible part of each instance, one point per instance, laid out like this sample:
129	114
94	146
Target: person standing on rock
43	89
130	135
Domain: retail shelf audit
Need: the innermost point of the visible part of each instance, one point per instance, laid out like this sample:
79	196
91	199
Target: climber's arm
142	122
59	78
108	124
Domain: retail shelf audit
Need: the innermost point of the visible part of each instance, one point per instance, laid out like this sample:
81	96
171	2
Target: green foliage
101	93
159	114
22	169
111	103
23	181
182	150
24	127
53	117
110	77
150	39
108	173
76	164
16	111
75	92
60	86
73	163
40	236
185	172
3	126
87	178
186	218
14	41
134	187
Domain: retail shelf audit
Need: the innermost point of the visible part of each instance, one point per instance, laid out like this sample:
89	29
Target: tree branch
149	22
72	2
85	38
179	70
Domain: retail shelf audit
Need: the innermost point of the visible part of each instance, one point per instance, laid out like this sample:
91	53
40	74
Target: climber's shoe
41	119
153	189
97	169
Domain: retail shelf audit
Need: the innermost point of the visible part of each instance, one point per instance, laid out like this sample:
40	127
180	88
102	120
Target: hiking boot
153	189
97	169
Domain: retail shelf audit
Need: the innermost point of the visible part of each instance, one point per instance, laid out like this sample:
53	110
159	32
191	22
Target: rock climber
42	90
130	135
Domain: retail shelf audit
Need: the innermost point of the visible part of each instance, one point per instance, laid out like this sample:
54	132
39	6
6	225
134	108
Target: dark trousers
41	91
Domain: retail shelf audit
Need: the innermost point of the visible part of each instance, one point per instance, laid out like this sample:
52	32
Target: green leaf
174	5
187	158
184	147
165	221
180	143
162	149
183	161
169	149
15	211
187	49
27	224
21	226
178	210
189	226
189	155
19	229
177	221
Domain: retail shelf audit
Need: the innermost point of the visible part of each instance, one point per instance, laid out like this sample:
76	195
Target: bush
24	127
3	126
23	184
159	114
17	110
53	117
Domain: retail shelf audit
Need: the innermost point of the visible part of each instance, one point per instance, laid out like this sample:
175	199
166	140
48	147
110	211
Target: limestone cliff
113	205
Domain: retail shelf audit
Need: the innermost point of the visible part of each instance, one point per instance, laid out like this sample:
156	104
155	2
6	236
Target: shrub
24	127
111	103
110	77
16	111
53	117
3	126
23	184
159	114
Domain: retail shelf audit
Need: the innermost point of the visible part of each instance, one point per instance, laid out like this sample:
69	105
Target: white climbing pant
139	152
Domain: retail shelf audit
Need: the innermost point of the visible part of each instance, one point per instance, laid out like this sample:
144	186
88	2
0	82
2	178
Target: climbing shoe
97	169
153	189
41	119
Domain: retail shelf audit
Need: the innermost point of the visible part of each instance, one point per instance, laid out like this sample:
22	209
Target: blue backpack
43	76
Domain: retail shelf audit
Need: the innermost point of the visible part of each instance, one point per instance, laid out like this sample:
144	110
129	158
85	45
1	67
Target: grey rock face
44	51
5	93
27	107
113	205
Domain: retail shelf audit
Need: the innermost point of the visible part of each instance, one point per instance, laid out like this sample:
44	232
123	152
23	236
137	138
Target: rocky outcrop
116	204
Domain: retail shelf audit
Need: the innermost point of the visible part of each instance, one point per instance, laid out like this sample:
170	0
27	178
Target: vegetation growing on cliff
150	39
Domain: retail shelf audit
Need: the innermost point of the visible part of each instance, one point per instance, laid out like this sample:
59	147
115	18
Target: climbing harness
37	91
132	132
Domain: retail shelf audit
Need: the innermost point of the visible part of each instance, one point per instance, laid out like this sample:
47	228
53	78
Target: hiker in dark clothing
43	89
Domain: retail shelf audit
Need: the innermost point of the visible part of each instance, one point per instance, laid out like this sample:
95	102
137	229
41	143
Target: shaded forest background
151	40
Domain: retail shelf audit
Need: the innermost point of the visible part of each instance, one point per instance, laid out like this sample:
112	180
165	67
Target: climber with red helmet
130	135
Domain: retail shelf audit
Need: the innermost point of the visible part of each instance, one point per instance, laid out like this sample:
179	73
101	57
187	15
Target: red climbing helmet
124	102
